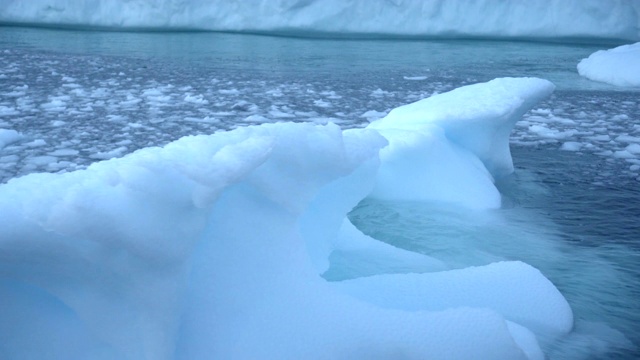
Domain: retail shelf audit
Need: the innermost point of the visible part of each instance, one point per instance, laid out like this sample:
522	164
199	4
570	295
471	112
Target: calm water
80	97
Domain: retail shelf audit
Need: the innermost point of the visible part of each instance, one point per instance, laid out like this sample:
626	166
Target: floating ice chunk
195	99
152	92
540	111
36	143
131	101
41	160
415	78
443	151
56	104
628	139
600	138
256	119
379	93
64	152
633	148
571	146
223	113
623	154
275	93
326	120
244	106
9	159
204	120
134	126
618	66
8	111
331	95
547	133
117	152
277	112
8	137
15	94
156	96
322	103
229	91
116	118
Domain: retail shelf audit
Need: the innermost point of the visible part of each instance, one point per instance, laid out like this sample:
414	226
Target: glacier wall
539	19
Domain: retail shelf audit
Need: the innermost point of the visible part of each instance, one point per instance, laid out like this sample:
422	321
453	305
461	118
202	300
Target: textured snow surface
619	66
594	19
213	246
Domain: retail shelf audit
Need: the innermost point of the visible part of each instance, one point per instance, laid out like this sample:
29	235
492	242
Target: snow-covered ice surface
70	99
619	66
542	19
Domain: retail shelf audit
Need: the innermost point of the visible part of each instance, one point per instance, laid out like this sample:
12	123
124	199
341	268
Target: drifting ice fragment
619	66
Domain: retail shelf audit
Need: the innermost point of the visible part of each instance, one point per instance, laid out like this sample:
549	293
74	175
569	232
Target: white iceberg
618	66
213	246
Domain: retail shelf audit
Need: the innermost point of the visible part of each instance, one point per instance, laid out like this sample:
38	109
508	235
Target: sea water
570	209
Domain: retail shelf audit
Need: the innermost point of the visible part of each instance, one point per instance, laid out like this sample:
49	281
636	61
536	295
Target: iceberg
548	19
441	151
619	66
213	246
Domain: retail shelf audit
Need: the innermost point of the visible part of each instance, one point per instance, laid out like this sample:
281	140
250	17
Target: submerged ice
214	246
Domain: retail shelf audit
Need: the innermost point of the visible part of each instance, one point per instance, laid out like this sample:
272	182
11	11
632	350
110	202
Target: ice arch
212	246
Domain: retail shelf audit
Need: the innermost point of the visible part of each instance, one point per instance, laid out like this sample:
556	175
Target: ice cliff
539	19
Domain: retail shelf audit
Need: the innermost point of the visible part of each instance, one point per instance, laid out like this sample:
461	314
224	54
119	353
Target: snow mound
213	246
618	66
593	19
